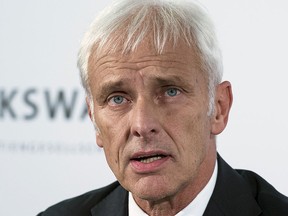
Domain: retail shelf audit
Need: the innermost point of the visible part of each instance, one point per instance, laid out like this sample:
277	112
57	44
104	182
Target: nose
144	119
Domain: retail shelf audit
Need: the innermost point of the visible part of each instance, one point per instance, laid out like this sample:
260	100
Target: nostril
140	132
136	134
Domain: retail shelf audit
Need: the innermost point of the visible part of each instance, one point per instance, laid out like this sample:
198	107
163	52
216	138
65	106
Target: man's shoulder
267	197
242	192
80	205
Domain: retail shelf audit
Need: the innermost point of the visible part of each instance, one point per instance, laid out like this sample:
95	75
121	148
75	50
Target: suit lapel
232	195
116	203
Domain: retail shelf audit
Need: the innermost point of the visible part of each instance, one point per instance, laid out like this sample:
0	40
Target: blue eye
117	99
172	92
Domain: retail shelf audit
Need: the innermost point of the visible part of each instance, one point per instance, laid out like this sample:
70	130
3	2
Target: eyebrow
171	80
107	88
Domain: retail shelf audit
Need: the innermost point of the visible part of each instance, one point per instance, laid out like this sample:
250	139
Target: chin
152	196
152	189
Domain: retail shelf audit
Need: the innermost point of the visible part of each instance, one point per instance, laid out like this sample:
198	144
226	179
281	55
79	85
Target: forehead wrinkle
161	59
133	58
104	65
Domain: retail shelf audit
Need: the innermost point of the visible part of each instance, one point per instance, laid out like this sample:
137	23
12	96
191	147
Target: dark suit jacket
237	193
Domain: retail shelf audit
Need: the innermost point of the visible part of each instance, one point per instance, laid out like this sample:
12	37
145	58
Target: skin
148	105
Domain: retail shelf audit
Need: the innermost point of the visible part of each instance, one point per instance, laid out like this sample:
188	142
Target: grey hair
126	23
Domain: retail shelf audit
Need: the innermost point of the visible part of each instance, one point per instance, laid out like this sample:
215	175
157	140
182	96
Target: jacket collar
232	195
116	203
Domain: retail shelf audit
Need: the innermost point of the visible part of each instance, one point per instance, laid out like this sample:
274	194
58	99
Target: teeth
150	160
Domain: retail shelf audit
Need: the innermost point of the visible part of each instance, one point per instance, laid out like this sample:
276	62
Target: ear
89	108
223	103
99	139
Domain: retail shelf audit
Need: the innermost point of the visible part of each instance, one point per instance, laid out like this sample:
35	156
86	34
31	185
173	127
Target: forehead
180	55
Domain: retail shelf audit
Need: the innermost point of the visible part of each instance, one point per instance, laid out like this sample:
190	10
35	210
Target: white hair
126	23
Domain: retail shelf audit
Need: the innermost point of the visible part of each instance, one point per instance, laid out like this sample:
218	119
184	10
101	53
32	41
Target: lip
150	167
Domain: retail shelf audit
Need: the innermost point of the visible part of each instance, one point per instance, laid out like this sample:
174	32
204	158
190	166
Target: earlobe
223	103
99	140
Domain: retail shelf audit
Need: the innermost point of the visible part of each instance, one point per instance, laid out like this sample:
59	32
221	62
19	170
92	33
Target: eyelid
173	87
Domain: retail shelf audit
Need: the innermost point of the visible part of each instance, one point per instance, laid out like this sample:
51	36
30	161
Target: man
152	73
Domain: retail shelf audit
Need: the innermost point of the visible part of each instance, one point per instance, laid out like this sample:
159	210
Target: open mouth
149	159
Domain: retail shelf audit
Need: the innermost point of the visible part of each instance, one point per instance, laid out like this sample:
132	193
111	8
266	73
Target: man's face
151	111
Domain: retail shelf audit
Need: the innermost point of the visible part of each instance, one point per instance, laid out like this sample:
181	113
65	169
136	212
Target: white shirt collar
195	208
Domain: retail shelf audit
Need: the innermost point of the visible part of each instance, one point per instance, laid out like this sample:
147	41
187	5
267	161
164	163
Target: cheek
113	134
109	128
112	155
109	120
190	132
195	142
198	128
